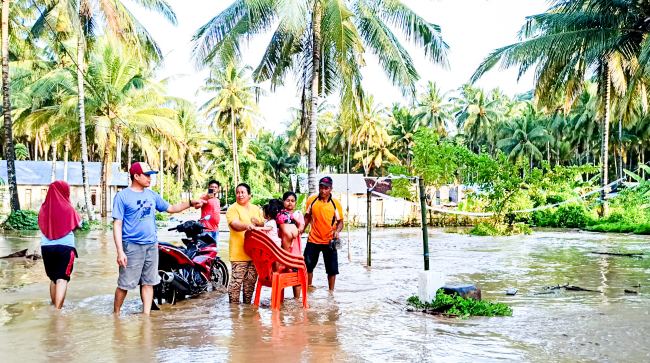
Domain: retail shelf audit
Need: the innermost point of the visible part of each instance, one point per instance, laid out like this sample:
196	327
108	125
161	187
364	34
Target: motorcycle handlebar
172	229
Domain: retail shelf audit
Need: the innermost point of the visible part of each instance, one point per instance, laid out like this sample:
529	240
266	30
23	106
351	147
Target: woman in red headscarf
56	220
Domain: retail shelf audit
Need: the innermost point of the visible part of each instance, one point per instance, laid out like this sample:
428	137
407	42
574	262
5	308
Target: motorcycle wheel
172	296
220	275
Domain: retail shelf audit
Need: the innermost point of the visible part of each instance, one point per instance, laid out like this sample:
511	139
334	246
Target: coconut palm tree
573	38
124	101
78	19
124	97
403	127
191	140
476	115
433	110
10	154
278	161
371	138
523	137
323	41
233	106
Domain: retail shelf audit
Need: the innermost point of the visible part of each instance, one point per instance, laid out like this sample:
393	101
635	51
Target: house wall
32	196
385	211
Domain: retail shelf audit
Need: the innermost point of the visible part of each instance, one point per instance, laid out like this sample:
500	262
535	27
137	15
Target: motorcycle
190	270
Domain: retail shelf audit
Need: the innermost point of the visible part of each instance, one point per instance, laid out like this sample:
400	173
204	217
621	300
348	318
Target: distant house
34	177
386	210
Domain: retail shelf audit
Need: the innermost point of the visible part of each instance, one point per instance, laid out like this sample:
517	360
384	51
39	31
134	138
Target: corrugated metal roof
356	181
39	173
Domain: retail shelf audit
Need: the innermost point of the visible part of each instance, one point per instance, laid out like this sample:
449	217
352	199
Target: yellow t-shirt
322	214
244	215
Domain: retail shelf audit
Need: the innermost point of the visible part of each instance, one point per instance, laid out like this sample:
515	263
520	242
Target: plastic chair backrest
264	253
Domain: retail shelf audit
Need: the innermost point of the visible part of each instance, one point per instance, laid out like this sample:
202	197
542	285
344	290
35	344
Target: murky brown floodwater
364	320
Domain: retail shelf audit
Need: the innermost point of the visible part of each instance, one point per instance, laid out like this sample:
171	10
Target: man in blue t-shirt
134	232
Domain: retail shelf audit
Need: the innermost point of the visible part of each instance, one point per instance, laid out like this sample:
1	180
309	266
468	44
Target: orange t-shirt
322	214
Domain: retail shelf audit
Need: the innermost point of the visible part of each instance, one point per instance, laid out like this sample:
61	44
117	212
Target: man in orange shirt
325	215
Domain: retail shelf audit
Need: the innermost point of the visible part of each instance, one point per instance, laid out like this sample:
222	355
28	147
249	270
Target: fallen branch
567	287
618	254
21	253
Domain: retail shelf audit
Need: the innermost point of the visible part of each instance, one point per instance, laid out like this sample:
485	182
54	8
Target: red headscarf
57	216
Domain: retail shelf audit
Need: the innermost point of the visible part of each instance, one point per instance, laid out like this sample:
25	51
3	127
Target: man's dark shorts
58	261
330	257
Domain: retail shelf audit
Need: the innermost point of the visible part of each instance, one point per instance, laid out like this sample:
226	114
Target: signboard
294	181
303	183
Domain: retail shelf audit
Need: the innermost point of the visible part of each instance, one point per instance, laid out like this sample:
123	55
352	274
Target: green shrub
162	217
642	229
566	216
554	198
94	225
612	227
484	229
544	218
460	306
571	216
497	229
22	220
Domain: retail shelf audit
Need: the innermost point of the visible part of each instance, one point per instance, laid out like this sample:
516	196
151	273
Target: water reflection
364	320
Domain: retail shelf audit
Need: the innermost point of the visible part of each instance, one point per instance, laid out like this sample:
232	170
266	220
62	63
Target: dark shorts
58	261
330	257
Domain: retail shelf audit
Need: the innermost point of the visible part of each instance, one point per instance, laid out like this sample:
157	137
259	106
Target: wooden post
369	227
425	232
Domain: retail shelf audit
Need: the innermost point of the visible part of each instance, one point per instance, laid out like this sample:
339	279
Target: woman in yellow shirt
242	216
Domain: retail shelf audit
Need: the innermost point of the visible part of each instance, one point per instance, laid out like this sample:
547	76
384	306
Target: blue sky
472	28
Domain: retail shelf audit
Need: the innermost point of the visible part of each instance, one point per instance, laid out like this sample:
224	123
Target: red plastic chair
292	271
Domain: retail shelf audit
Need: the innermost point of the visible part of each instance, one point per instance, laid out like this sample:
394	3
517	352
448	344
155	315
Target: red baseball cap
140	167
325	181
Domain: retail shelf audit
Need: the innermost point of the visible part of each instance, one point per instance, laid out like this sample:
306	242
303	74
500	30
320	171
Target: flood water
364	320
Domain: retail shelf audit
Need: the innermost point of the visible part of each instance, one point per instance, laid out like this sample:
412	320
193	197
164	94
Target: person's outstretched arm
179	207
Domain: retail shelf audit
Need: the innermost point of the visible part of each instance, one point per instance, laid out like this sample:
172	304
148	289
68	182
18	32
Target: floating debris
634	254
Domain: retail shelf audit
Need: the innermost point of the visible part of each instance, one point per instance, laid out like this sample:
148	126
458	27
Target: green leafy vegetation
401	188
459	306
22	220
565	216
94	225
162	217
489	228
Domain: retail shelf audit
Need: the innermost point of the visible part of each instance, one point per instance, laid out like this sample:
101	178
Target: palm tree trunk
37	141
315	66
103	183
129	153
235	156
10	153
642	162
118	150
82	123
604	151
66	155
620	145
53	176
161	174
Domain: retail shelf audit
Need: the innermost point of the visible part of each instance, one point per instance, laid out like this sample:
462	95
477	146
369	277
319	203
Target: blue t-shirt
67	240
137	211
